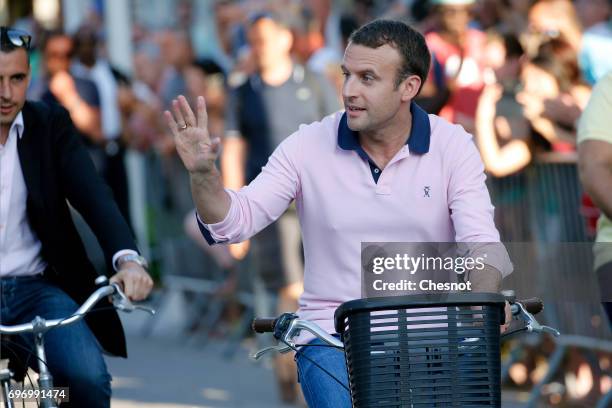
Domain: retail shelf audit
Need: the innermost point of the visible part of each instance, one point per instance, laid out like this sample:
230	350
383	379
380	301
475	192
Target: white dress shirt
19	245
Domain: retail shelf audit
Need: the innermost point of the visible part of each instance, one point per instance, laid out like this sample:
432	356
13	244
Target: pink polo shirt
322	167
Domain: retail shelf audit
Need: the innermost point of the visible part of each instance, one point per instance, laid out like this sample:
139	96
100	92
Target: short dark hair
406	40
49	35
6	45
281	19
559	59
208	66
85	34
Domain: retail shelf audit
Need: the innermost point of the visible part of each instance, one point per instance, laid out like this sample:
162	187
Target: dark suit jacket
57	167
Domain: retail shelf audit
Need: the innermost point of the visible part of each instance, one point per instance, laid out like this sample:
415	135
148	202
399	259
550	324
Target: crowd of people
517	74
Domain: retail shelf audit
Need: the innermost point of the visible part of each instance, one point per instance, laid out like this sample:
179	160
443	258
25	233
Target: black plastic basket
437	350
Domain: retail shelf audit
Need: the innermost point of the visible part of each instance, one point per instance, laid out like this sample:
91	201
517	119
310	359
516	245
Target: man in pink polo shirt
381	170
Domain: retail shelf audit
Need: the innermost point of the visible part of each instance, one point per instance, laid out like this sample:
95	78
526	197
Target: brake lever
285	344
550	330
121	302
280	348
147	309
532	325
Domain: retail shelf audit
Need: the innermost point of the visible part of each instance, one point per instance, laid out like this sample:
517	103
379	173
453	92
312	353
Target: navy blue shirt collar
418	141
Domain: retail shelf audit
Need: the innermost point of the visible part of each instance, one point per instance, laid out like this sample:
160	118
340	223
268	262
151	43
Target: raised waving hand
190	131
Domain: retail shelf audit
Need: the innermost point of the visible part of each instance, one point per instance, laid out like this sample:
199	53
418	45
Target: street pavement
160	373
171	372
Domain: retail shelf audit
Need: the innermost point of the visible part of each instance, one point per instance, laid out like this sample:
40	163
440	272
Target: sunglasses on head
18	38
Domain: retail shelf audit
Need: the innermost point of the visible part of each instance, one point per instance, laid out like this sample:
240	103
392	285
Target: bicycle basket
432	350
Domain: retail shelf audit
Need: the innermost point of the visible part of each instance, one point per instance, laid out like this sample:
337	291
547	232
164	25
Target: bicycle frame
5	383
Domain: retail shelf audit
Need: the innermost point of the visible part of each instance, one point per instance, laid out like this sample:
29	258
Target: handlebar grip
263	325
532	305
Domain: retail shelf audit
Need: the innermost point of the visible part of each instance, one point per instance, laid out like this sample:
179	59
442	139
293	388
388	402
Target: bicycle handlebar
119	300
292	325
268	325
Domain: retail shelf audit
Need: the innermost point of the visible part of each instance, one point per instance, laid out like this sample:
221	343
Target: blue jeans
320	390
74	356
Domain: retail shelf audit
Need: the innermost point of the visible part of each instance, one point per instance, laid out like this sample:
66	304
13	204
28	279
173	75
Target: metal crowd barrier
538	214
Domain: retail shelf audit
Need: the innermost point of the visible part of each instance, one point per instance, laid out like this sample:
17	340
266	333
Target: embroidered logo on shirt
426	190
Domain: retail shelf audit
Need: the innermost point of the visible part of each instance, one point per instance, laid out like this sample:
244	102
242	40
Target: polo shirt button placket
383	190
382	187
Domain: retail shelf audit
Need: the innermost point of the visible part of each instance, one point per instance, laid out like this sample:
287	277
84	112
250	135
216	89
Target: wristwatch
138	259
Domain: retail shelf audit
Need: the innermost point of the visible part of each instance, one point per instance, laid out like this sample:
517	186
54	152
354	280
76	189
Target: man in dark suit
44	269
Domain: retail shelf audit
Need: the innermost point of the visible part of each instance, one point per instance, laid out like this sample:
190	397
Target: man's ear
410	87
